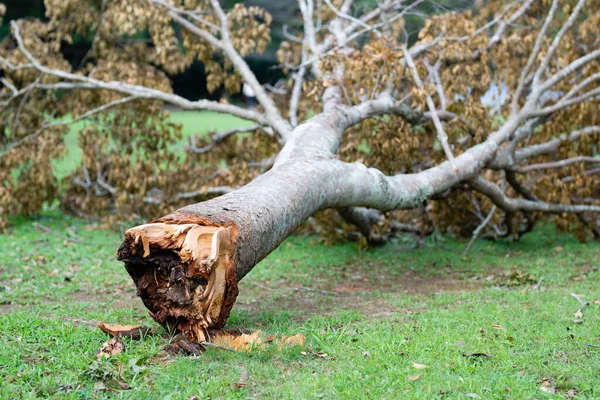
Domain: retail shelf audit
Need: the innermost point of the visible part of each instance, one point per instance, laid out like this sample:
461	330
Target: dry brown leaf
296	340
413	378
111	348
579	314
242	342
134	332
419	366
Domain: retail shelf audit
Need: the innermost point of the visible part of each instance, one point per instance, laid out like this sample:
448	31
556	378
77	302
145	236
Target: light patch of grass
374	313
193	122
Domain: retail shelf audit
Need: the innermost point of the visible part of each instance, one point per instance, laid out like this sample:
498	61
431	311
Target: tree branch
555	43
552	145
141	92
514	205
533	55
557	164
219	138
442	136
271	112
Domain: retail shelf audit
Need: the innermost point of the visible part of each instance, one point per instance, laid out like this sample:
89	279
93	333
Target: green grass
374	313
368	317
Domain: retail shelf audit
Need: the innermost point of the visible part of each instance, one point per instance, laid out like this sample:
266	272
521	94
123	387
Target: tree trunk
186	265
188	279
170	259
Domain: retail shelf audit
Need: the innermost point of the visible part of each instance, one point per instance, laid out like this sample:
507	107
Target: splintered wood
181	273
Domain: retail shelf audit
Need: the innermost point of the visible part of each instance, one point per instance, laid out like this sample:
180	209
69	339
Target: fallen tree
362	79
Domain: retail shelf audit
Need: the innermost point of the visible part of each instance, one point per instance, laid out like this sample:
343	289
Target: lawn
395	322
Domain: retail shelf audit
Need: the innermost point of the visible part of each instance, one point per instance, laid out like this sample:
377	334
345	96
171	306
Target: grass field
393	322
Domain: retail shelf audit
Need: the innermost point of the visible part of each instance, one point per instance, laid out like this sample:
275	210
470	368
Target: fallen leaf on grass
111	348
242	342
246	342
296	340
472	395
419	366
413	378
134	332
579	314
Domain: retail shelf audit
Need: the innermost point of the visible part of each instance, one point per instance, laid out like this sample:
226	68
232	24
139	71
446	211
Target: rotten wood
183	274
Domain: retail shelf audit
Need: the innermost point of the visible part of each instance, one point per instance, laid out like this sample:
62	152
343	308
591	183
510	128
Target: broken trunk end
184	274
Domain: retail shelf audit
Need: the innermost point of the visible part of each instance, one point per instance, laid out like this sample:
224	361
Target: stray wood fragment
134	332
182	346
579	313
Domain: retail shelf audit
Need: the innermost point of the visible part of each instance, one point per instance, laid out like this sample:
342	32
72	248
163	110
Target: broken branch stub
183	274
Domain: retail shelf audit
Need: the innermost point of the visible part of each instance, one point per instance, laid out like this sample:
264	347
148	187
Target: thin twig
58	235
537	285
478	230
218	138
583	303
442	136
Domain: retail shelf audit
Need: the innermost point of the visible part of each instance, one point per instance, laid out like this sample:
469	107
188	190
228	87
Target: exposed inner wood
182	273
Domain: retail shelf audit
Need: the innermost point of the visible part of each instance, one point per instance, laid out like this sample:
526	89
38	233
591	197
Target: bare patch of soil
355	289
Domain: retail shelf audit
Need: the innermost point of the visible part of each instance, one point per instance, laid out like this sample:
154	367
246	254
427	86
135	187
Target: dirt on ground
354	289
